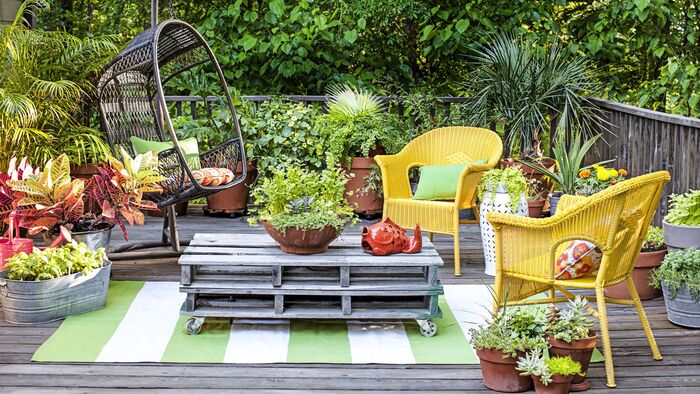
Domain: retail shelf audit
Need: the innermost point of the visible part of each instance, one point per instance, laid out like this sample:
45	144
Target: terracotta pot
84	171
530	173
645	263
534	208
580	351
299	241
365	202
180	210
234	199
500	374
559	385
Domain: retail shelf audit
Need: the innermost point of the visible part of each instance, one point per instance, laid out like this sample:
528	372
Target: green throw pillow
189	147
440	182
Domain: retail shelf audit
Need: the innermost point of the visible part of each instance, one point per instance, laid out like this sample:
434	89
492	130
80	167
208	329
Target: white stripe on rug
378	342
146	329
258	341
470	304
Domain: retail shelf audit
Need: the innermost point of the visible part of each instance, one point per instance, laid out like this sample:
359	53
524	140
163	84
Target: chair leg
430	237
455	234
655	353
605	334
170	235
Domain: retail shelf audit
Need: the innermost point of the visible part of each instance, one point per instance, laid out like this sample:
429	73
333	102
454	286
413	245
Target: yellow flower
602	174
613	173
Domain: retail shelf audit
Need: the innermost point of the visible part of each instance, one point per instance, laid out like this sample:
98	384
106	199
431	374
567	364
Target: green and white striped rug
142	323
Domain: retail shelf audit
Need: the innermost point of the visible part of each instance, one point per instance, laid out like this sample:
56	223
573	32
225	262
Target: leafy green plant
534	364
352	102
510	331
301	198
511	178
684	209
680	268
373	182
286	134
45	87
572	324
55	262
654	240
599	178
569	162
211	132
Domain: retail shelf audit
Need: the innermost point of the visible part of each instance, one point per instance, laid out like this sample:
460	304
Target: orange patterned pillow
213	176
578	259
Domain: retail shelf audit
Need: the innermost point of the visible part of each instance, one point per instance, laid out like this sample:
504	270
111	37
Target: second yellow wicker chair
447	145
615	220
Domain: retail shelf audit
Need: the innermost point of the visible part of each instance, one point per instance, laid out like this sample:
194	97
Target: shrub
685	209
679	268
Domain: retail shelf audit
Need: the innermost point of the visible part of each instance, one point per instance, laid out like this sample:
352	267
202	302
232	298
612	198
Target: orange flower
612	181
584	174
622	172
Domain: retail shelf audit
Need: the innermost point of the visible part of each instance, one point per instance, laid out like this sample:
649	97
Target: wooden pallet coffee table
248	276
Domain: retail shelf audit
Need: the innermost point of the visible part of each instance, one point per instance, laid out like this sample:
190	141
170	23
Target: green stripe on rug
448	346
209	346
318	341
81	338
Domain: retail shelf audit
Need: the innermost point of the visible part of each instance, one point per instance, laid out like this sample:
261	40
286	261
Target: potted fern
682	222
679	278
652	255
552	375
570	334
500	190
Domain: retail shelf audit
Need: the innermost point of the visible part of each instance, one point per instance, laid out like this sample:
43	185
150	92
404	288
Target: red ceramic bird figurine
386	237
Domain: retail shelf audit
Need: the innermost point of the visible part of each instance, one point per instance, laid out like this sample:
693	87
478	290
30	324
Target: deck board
636	372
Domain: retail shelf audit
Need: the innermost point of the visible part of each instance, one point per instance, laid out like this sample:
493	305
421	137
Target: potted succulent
506	336
679	278
682	222
651	257
303	210
569	166
51	284
569	333
535	197
552	375
50	200
357	129
500	190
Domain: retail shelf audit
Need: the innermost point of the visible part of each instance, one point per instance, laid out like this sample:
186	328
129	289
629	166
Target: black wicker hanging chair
130	93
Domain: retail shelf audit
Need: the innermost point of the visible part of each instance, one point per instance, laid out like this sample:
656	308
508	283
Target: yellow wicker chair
447	145
615	220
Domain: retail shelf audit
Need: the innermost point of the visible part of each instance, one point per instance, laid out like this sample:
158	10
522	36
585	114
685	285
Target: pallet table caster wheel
193	325
427	328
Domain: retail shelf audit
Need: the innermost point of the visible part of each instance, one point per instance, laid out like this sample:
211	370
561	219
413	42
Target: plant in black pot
679	278
552	375
570	334
303	210
506	336
682	222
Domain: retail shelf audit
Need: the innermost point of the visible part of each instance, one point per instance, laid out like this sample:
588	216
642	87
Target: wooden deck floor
636	372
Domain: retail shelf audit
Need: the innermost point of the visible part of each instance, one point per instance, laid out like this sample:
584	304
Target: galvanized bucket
34	302
682	310
94	239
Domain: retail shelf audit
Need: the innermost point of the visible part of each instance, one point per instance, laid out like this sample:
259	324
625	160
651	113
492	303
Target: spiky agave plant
351	101
45	84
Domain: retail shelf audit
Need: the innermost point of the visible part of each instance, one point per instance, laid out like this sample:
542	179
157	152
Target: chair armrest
395	175
568	200
468	182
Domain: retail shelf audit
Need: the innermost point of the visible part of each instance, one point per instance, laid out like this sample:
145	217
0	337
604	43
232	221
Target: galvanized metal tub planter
682	310
94	239
34	302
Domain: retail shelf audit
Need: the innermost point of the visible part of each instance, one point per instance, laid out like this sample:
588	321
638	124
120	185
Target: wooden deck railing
639	140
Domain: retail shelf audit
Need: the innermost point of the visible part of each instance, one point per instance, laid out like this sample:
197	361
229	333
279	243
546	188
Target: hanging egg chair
132	104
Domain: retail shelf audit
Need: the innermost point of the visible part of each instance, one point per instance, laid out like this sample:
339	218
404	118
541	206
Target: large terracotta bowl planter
500	374
580	351
366	202
234	199
302	241
560	384
646	262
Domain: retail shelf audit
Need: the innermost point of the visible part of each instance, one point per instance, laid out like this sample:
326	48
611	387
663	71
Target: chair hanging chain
172	10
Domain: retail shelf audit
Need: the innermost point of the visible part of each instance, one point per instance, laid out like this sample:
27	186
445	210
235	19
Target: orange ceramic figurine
386	237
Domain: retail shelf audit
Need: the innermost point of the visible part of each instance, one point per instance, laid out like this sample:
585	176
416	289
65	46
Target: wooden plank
302	313
276	275
273	250
346	305
301	286
279	304
344	276
312	260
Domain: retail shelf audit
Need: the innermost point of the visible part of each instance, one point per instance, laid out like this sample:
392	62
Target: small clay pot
499	373
559	385
234	199
580	351
535	208
303	241
646	262
365	202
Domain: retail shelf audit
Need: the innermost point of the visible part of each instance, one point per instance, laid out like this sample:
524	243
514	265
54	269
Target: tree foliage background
645	51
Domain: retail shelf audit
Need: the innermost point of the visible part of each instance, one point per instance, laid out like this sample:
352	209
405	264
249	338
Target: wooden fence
639	140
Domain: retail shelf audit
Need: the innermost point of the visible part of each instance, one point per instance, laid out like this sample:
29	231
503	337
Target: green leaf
594	44
672	68
426	32
350	36
462	25
248	42
641	4
693	100
659	52
361	23
277	7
